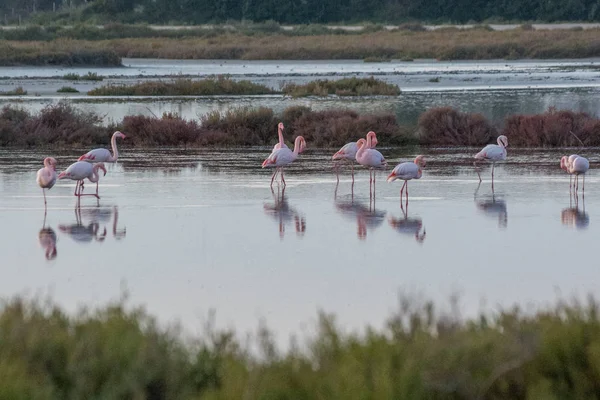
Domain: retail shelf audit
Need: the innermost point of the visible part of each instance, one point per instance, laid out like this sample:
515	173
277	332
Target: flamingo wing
406	171
96	155
77	171
279	158
492	152
46	178
373	158
580	165
348	151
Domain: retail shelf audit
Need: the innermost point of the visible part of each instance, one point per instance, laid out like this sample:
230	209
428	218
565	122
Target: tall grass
118	351
399	44
184	87
342	87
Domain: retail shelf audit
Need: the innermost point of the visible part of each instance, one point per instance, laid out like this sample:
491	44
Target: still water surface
187	231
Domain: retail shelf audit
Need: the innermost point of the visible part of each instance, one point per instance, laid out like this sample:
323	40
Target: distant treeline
61	125
299	12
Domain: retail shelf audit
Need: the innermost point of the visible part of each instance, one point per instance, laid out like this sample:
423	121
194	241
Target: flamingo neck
113	142
280	133
362	147
297	145
48	164
369	140
95	176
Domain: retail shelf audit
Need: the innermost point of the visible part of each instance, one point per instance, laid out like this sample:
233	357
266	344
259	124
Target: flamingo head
100	166
371	135
392	176
572	158
360	143
420	161
503	141
564	161
119	134
50	162
280	126
63	175
300	144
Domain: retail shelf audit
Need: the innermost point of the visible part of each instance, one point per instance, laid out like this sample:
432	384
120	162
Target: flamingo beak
391	177
62	175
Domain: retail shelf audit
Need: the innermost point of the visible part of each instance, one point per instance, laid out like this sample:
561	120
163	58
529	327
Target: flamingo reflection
367	217
408	226
47	238
492	206
83	233
281	211
573	216
103	216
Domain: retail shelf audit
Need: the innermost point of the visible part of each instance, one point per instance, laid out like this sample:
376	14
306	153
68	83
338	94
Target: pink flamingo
46	177
575	165
407	171
493	153
79	171
371	159
348	152
280	134
284	156
103	155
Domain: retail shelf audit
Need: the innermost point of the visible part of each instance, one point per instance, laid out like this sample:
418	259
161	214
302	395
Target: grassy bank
121	352
226	86
443	44
62	125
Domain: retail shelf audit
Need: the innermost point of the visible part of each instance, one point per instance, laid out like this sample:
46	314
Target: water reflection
281	211
367	217
573	216
47	238
81	233
493	206
103	216
408	226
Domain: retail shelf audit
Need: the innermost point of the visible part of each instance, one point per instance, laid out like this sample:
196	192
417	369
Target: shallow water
187	231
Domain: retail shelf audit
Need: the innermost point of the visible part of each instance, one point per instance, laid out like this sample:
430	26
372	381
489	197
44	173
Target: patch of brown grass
446	126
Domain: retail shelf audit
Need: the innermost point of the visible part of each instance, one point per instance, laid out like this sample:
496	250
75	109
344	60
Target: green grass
67	89
18	91
343	87
90	76
184	87
421	352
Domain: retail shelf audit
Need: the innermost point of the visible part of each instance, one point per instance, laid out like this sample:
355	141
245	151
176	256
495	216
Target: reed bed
422	352
443	44
62	125
342	87
184	87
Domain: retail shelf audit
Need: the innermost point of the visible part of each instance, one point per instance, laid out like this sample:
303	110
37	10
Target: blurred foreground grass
120	352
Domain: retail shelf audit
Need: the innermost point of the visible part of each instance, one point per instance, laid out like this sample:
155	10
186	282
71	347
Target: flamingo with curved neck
46	177
493	153
371	159
407	171
283	157
81	170
348	153
103	155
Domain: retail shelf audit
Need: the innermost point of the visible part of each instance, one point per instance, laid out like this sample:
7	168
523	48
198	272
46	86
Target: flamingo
348	152
371	159
493	153
575	165
283	157
103	155
46	177
80	170
407	171
280	134
47	239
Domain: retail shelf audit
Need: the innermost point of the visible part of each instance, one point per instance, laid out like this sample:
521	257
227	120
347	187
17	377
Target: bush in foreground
446	126
421	353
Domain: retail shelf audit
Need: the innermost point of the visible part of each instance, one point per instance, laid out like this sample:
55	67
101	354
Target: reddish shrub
446	126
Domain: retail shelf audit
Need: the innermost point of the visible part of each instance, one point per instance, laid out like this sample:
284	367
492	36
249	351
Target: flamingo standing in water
79	171
493	153
348	152
46	177
575	165
284	156
407	171
102	155
372	159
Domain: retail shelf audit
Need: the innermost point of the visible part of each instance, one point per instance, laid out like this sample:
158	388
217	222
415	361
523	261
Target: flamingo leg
273	177
44	192
374	182
337	172
477	170
282	179
402	191
583	189
76	187
352	173
97	191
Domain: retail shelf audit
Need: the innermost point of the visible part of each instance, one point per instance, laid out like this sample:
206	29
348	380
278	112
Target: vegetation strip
120	351
443	44
62	125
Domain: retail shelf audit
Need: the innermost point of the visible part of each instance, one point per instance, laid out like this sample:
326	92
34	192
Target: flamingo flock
362	152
